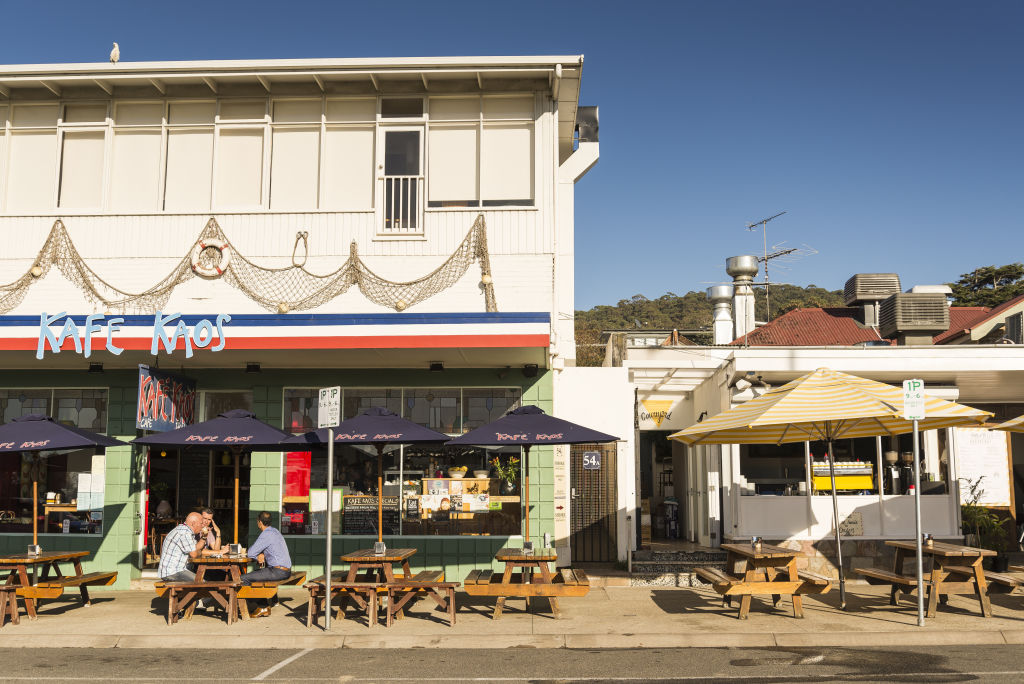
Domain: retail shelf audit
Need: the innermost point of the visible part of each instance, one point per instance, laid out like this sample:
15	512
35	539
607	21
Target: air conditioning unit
870	287
919	315
1015	328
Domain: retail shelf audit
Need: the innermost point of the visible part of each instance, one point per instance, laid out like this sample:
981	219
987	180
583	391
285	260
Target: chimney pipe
720	297
742	269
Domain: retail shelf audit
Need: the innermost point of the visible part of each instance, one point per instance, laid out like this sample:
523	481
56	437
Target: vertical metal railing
402	204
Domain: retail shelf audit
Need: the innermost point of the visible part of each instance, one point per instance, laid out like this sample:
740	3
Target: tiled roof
838	326
965	321
812	328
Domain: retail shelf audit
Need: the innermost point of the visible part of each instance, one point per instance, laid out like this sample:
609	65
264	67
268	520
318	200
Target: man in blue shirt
270	550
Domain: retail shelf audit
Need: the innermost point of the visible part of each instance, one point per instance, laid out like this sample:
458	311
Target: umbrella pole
35	511
526	487
835	517
380	492
236	497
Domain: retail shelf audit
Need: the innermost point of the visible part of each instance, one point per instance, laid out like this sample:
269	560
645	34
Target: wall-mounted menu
360	515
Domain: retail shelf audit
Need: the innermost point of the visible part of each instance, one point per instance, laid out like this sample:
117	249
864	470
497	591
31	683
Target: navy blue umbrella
377	426
239	428
526	426
36	432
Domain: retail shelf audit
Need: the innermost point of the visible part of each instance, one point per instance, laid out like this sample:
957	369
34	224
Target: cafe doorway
180	481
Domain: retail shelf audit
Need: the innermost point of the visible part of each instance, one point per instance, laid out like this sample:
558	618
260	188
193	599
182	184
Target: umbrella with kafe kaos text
37	433
527	426
239	429
376	426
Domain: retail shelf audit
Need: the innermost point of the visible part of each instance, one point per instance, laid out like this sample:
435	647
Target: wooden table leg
30	603
82	588
769	575
750	576
897	567
798	600
981	587
232	605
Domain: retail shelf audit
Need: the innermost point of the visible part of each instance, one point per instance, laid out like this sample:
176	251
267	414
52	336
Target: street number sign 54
591	460
913	399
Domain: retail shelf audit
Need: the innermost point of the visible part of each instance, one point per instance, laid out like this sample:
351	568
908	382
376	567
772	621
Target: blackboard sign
412	508
359	515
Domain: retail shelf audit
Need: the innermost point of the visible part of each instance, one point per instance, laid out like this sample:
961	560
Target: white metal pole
327	531
917	516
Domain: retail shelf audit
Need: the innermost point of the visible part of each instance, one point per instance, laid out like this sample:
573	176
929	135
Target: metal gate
594	503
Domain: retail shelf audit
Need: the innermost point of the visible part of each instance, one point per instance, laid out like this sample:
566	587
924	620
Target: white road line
290	659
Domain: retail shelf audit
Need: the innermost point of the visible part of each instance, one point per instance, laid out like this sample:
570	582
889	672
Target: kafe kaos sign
199	336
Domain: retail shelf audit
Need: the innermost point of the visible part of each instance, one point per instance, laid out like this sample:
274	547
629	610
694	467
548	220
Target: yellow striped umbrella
825	405
1015	425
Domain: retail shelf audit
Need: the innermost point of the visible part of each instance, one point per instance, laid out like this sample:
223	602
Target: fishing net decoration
291	288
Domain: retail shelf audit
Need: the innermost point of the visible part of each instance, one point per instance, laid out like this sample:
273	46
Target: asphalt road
931	664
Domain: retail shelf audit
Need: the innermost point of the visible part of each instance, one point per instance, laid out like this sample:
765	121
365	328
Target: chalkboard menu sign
360	515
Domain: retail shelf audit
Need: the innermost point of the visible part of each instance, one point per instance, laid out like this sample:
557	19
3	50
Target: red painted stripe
317	342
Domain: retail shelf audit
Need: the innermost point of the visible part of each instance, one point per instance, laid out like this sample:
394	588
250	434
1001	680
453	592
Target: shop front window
855	466
773	470
71	484
425	490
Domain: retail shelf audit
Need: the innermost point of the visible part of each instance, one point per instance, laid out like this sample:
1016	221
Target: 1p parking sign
913	399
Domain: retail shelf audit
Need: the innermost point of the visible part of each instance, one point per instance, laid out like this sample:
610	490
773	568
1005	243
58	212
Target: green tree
989	285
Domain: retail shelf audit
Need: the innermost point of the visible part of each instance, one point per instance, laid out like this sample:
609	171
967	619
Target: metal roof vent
587	124
870	287
913	317
1015	328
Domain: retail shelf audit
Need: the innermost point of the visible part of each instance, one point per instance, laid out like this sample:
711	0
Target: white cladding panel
34	154
507	162
189	169
239	168
452	172
81	173
135	170
295	160
348	169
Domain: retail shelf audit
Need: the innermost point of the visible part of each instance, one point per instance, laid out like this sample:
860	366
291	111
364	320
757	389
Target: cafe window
426	490
773	469
71	484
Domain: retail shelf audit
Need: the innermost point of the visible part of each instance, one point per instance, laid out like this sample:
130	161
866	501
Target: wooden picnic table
380	565
764	570
17	566
956	570
234	565
528	583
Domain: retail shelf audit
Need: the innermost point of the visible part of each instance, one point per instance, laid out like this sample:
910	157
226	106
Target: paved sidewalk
608	617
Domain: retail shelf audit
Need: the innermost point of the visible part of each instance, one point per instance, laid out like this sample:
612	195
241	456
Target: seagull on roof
115	54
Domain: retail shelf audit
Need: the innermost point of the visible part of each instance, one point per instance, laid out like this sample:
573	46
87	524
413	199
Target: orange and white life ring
216	270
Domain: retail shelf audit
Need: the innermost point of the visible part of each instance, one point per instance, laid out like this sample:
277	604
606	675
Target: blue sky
891	132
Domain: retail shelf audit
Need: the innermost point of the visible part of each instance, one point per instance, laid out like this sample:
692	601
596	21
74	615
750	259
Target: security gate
594	503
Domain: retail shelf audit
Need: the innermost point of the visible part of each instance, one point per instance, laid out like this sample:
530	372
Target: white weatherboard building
402	228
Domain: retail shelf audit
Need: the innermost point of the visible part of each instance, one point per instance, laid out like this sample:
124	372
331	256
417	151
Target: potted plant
506	471
984	527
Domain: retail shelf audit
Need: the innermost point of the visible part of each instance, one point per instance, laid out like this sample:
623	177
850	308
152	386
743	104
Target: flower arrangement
506	471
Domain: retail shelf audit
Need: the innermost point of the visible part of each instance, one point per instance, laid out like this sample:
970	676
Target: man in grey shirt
270	550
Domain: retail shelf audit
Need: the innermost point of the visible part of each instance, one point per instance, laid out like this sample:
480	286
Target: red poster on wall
296	479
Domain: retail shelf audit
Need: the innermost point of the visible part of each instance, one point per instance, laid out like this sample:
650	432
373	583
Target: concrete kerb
607	618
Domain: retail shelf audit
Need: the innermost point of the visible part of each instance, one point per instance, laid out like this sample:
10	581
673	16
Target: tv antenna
777	253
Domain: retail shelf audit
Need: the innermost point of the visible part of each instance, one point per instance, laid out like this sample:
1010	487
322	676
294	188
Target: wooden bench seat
426	583
574	577
54	587
9	604
185	595
488	583
479	577
716	576
879	576
318	600
268	589
813	583
999	583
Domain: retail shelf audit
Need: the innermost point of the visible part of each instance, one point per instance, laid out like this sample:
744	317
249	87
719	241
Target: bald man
181	545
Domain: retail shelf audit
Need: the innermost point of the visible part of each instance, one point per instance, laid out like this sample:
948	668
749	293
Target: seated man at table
270	550
211	532
181	545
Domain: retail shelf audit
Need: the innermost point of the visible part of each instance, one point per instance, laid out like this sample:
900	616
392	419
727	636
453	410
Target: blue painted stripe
273	320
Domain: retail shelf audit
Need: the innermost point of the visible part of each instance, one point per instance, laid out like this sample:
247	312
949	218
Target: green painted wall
117	547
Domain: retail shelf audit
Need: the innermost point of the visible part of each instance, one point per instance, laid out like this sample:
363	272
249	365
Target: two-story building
251	231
